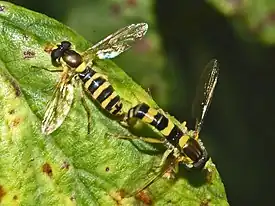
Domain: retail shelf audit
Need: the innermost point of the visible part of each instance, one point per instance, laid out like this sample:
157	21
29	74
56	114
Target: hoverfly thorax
72	58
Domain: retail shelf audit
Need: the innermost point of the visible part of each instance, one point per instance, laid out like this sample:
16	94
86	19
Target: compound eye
56	54
65	45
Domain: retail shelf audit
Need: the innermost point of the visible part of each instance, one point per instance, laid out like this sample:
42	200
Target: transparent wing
59	106
205	91
118	42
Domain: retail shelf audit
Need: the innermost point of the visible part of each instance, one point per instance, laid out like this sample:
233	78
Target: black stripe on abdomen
105	94
174	136
138	111
112	103
118	108
160	121
95	84
141	110
86	74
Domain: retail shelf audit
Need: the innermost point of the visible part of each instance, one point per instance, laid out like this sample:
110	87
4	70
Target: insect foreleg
87	109
49	70
145	139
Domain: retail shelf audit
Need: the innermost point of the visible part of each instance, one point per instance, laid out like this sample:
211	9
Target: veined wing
118	42
205	91
60	104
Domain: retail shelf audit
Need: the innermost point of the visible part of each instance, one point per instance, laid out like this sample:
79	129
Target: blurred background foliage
183	36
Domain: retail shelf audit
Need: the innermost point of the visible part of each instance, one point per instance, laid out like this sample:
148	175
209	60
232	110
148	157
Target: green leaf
70	167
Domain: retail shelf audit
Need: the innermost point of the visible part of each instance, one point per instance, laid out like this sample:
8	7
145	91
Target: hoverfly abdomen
101	90
174	135
188	146
115	106
86	74
138	111
105	93
151	116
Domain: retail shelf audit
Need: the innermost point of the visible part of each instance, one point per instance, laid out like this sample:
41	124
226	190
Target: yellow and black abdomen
164	125
188	146
101	90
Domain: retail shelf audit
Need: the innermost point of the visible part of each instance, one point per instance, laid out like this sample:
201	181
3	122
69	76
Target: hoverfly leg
49	70
164	157
183	124
132	137
86	107
162	170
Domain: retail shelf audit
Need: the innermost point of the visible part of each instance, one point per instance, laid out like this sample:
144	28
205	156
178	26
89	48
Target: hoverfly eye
56	54
65	45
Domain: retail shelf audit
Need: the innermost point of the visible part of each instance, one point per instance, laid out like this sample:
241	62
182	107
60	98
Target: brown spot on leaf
28	54
46	168
15	122
122	193
16	87
107	169
205	202
2	8
15	197
2	192
144	197
118	196
209	176
12	111
25	37
72	198
48	48
115	9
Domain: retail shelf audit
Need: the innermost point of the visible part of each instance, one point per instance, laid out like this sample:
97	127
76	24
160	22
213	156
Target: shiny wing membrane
118	42
205	91
59	106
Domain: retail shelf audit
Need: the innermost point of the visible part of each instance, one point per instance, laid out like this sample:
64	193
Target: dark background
238	130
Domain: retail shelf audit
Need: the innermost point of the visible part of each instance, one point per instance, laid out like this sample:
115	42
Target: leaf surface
71	167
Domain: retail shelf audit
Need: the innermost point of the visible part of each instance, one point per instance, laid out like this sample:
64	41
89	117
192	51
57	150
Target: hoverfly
184	145
80	66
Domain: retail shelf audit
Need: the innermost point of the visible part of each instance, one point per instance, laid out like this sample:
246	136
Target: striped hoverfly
182	144
79	66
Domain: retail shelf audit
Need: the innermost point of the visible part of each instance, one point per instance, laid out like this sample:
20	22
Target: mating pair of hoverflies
182	144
